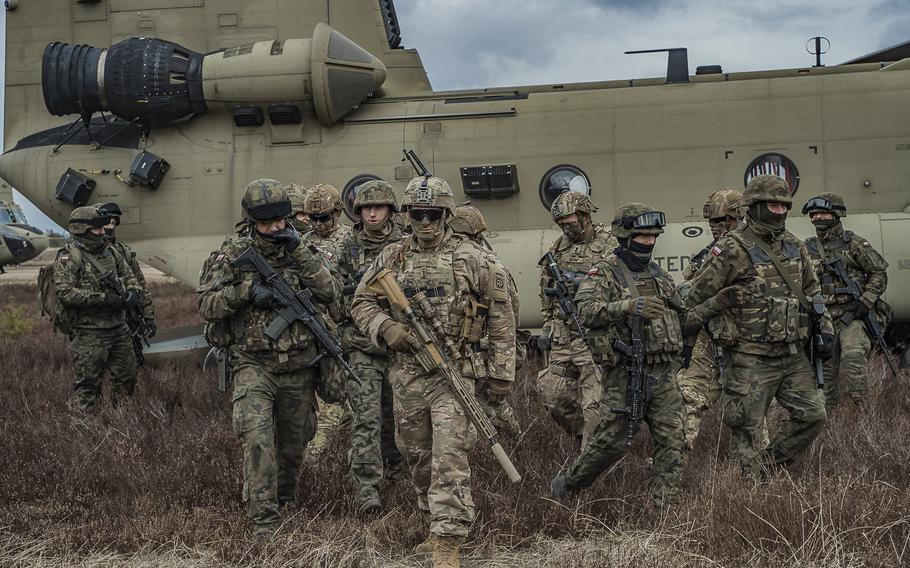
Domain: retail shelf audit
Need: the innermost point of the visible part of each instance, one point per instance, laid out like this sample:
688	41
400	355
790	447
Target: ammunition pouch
474	323
564	371
722	329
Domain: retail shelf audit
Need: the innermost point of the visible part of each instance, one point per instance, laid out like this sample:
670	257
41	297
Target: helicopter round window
561	179
774	164
350	192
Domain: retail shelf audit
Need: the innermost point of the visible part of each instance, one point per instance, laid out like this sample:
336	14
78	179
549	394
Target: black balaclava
823	225
636	255
760	214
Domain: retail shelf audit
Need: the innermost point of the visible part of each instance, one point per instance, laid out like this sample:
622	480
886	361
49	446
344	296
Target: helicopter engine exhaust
157	82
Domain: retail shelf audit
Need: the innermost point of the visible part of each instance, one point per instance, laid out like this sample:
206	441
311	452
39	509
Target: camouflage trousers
846	371
753	382
94	351
330	417
664	416
373	450
571	388
700	384
274	415
435	435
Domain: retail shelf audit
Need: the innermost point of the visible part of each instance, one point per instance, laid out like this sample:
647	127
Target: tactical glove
860	309
730	296
288	237
825	351
112	301
151	327
398	336
262	297
132	299
647	307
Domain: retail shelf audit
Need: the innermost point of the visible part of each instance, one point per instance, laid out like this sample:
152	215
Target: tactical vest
91	268
838	246
663	338
774	315
574	260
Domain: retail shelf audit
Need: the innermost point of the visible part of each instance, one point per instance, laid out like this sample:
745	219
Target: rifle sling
628	277
797	291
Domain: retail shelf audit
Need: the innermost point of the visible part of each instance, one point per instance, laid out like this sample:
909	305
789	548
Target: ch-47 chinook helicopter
182	102
19	241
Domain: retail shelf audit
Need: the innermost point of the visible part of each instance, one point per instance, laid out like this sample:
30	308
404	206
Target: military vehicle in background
19	241
176	104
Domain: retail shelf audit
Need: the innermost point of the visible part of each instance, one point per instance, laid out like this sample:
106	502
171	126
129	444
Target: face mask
92	242
636	255
822	225
761	213
301	226
288	237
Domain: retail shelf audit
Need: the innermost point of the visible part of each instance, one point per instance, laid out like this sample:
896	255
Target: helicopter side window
560	179
5	216
350	192
774	164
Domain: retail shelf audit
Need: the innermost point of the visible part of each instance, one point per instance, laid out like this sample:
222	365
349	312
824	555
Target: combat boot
427	546
369	508
559	489
445	552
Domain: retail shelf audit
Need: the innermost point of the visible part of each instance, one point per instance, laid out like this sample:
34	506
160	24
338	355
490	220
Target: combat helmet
296	194
638	219
322	199
569	202
375	192
827	202
468	220
724	203
110	209
85	218
766	188
429	191
265	199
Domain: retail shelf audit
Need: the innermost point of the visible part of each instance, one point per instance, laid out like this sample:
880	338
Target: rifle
135	323
222	357
297	306
640	383
354	282
818	310
433	359
411	156
560	291
853	288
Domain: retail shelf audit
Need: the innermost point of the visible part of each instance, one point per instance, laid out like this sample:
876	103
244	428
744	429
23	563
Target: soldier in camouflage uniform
469	221
93	312
617	290
699	382
462	281
298	219
274	412
374	454
847	369
767	331
570	384
322	205
113	211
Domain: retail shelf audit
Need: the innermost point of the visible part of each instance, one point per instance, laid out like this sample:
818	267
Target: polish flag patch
594	271
716	250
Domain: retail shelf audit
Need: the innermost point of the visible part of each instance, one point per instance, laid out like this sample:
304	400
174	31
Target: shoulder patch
594	271
64	257
866	244
220	256
716	250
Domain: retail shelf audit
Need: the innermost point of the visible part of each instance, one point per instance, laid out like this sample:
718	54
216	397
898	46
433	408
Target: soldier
374	454
322	205
274	400
112	210
92	312
298	219
699	381
768	329
469	221
619	293
434	431
847	369
570	385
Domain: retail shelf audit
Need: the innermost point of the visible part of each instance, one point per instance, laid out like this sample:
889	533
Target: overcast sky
481	43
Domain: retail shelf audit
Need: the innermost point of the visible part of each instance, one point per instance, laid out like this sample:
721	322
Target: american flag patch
716	250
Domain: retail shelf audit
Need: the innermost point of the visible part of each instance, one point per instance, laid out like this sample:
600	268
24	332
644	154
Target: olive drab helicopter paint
169	107
19	241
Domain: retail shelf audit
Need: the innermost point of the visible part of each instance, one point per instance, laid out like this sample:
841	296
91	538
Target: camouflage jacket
601	307
148	310
575	259
772	321
455	276
863	263
79	289
226	295
360	250
333	249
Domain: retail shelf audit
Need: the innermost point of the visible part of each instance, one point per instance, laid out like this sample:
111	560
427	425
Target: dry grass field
157	483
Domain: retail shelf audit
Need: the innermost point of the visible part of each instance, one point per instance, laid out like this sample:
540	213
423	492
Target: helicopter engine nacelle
157	82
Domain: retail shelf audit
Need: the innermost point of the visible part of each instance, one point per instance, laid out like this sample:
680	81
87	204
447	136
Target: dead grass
157	483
